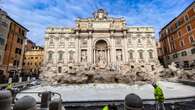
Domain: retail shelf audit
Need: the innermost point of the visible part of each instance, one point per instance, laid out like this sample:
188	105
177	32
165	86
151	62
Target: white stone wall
68	43
78	45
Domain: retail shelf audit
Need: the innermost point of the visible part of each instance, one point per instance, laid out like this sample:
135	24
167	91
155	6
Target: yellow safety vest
158	94
106	107
9	86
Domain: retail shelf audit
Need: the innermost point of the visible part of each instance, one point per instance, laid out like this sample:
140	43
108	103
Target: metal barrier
16	84
186	102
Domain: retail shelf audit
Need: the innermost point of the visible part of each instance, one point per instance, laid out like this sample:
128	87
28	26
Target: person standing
159	97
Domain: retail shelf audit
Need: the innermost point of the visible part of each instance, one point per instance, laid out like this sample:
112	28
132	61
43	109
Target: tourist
159	97
133	102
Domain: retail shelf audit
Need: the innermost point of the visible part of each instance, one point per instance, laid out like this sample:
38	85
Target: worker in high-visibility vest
9	86
159	97
105	107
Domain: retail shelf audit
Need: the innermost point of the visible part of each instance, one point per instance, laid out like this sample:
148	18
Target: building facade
101	41
29	45
160	52
33	60
4	29
14	48
177	39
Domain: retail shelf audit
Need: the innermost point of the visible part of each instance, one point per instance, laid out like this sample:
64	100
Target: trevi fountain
101	60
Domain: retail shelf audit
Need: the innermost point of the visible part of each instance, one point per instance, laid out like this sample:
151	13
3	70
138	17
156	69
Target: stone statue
119	56
101	59
84	56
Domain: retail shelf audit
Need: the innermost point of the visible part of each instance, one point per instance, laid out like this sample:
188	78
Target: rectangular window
59	69
18	40
184	53
188	27
193	51
15	63
179	33
151	54
141	55
60	56
18	51
186	64
186	18
130	55
181	43
21	41
50	57
2	40
175	55
191	38
177	24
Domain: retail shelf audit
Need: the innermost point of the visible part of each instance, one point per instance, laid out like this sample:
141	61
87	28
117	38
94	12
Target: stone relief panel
83	25
71	43
84	42
148	42
61	42
129	41
117	25
100	25
83	55
51	42
118	42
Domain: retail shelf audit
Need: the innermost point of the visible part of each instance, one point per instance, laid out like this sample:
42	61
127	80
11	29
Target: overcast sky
36	15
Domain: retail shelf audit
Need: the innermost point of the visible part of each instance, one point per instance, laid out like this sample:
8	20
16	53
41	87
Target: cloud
37	15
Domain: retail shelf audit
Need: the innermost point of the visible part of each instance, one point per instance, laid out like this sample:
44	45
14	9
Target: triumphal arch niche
99	41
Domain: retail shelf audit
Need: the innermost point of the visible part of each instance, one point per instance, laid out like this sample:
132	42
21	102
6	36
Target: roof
13	19
17	23
178	16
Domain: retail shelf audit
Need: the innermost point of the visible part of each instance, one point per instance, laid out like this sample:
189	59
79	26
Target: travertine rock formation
111	74
138	73
177	74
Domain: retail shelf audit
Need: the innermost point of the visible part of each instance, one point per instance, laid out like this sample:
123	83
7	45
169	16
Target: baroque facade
101	41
